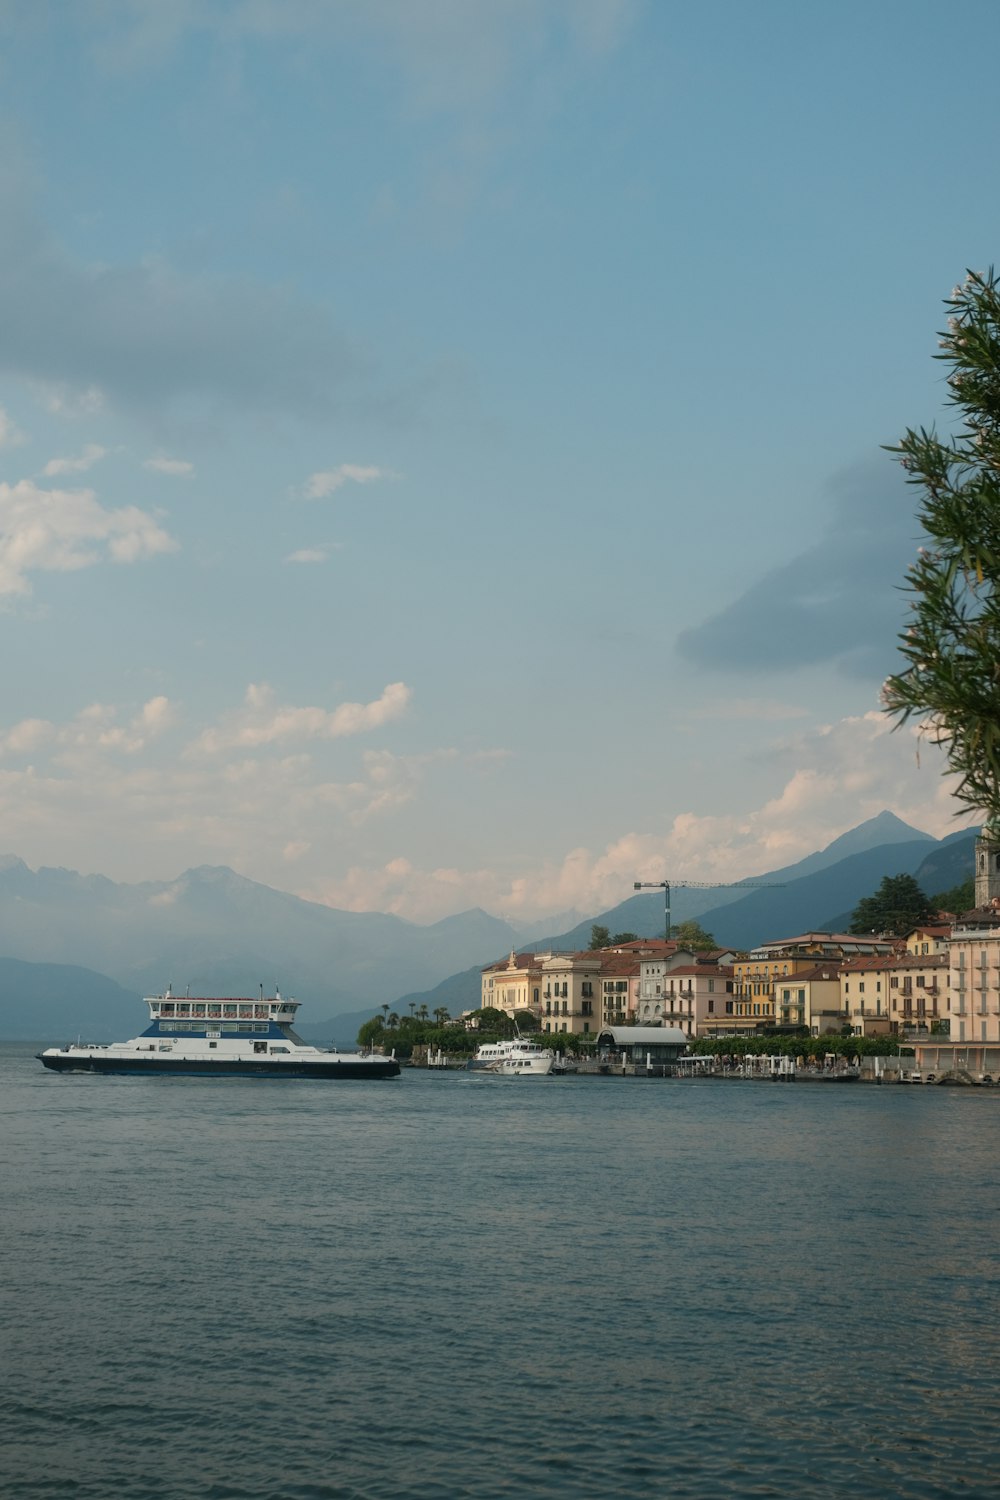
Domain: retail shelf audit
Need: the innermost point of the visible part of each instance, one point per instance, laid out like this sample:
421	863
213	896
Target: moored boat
517	1058
224	1038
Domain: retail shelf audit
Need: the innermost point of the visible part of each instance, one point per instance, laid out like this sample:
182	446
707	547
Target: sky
442	443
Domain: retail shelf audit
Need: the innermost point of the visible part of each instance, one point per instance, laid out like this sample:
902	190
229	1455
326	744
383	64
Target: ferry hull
264	1067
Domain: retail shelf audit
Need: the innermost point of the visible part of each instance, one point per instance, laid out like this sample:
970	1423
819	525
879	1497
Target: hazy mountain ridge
104	944
217	931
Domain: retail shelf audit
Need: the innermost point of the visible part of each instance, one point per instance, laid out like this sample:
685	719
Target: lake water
448	1285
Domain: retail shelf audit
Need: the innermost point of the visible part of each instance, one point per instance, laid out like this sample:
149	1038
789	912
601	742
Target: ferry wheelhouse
225	1038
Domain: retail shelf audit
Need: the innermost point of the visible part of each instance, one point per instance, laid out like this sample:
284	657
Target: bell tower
988	866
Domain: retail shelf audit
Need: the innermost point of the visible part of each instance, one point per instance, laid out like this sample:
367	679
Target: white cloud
10	434
163	465
308	555
63	530
262	723
833	778
95	727
91	454
328	481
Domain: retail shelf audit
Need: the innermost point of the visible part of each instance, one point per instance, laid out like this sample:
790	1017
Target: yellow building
514	983
864	995
570	992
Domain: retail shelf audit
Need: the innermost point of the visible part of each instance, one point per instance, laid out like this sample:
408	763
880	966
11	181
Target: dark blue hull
336	1067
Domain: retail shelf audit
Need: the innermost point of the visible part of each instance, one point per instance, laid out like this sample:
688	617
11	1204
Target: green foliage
496	1022
372	1033
960	898
692	935
564	1041
620	938
896	906
600	937
951	647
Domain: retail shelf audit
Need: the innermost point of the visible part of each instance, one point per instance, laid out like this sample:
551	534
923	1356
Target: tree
620	938
371	1033
600	937
896	906
951	646
692	935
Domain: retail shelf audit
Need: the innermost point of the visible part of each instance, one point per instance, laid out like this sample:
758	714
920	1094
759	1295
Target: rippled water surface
449	1285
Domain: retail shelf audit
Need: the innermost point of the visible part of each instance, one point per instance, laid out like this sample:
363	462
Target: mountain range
97	946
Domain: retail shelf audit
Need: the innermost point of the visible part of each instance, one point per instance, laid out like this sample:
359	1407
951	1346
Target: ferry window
213	1044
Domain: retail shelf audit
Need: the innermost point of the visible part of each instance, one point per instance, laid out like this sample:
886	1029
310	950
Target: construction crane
703	885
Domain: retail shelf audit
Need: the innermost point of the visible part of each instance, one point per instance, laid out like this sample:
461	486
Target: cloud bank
63	530
839	601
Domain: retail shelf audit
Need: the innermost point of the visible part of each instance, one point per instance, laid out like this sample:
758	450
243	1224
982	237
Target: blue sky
440	452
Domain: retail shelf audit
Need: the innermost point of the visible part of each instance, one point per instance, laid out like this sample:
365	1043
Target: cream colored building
974	978
864	995
923	941
571	993
812	998
514	983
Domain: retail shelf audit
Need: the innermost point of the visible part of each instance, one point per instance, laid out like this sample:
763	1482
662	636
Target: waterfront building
570	993
640	1046
973	1001
823	945
918	992
514	984
864	995
687	994
762	976
619	985
810	997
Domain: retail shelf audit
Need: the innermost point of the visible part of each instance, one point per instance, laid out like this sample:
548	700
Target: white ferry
224	1038
513	1059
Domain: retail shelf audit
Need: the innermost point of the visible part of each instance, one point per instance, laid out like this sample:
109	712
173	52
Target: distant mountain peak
884	828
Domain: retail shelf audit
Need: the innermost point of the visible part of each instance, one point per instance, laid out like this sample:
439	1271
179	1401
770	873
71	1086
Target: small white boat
518	1058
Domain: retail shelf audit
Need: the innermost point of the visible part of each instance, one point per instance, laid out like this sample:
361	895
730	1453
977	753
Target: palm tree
393	1020
441	1015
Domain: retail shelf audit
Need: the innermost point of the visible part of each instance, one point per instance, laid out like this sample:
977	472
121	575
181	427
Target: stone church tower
988	867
